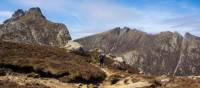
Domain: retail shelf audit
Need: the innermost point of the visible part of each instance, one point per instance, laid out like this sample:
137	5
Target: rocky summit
157	54
32	27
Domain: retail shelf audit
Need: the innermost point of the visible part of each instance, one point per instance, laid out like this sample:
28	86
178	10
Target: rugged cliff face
164	53
189	60
32	27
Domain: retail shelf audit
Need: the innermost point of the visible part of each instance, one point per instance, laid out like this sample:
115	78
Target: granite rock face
32	27
164	53
189	61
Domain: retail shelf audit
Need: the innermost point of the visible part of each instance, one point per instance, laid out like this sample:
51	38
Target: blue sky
87	17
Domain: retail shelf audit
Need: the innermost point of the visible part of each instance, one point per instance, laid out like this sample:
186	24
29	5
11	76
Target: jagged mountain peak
124	29
32	14
120	31
190	36
32	27
18	13
35	11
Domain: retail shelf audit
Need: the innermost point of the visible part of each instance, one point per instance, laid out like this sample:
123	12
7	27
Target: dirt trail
108	71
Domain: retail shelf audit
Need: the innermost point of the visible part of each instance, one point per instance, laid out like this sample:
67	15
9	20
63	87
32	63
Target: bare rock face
32	27
164	53
158	54
189	61
114	41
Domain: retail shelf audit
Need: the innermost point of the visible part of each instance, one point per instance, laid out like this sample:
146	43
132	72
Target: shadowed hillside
48	62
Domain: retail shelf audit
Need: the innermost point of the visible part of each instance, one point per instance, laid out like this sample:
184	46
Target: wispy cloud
45	4
79	34
4	15
85	17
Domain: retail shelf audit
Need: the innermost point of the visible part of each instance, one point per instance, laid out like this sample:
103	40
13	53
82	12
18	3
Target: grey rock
163	53
32	27
189	61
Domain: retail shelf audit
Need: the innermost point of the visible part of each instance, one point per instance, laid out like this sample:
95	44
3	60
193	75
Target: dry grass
184	82
9	84
48	62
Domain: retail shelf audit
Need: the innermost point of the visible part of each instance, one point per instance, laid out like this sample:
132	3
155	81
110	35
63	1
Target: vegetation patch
48	62
9	84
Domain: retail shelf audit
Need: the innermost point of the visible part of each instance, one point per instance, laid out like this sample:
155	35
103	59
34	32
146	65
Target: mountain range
38	53
163	53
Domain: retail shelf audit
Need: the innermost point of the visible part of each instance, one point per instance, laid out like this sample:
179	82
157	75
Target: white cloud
4	15
45	4
93	16
81	34
104	12
104	16
148	20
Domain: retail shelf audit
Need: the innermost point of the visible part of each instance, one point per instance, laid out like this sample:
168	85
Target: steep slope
48	62
189	60
32	27
161	57
115	41
154	54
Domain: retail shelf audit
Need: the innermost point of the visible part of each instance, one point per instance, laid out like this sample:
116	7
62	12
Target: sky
88	17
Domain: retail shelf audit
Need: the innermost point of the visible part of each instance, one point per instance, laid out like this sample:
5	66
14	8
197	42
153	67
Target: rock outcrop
32	27
72	46
164	53
189	61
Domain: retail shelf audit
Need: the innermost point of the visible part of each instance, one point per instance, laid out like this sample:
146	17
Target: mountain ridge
32	55
155	53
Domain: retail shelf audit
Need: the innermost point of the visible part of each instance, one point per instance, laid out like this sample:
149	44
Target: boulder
119	59
72	46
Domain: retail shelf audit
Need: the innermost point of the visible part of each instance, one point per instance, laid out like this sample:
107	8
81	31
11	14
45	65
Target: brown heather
48	62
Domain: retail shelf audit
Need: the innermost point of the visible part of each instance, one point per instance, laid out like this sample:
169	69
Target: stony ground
119	79
115	79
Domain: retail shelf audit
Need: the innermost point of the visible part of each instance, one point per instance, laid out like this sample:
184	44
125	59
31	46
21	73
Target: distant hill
32	27
164	53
